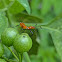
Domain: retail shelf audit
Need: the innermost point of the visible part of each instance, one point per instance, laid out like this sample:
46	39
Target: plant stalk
26	57
20	57
13	53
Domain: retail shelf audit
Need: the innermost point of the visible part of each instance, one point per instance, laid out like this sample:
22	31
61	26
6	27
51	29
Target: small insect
25	27
31	27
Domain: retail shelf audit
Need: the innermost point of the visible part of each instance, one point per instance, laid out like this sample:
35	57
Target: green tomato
8	36
1	49
2	60
22	43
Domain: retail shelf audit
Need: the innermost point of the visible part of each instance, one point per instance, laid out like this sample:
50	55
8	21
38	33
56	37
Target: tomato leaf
25	4
46	5
16	8
1	5
57	6
55	29
3	23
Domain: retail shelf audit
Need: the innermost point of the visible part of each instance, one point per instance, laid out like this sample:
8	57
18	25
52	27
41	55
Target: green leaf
7	53
3	23
55	28
46	5
25	4
21	17
1	5
35	6
5	4
57	6
16	8
44	37
57	39
7	1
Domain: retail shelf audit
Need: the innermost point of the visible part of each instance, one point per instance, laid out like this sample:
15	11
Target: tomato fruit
2	60
8	35
22	43
1	49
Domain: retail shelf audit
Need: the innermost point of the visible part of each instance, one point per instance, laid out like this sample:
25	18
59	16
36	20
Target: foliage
46	16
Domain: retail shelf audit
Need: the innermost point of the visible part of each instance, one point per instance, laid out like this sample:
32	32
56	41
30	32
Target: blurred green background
36	11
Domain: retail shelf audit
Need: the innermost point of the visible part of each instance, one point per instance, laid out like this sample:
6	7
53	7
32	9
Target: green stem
8	60
26	57
4	58
13	53
9	18
20	57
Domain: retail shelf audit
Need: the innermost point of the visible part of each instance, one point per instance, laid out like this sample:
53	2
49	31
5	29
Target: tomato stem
20	57
26	57
4	58
8	60
13	53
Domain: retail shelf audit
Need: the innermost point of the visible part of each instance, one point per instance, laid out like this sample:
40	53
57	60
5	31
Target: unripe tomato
2	60
22	43
1	49
8	36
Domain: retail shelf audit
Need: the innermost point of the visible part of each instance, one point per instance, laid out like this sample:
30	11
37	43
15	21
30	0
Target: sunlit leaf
25	4
16	8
